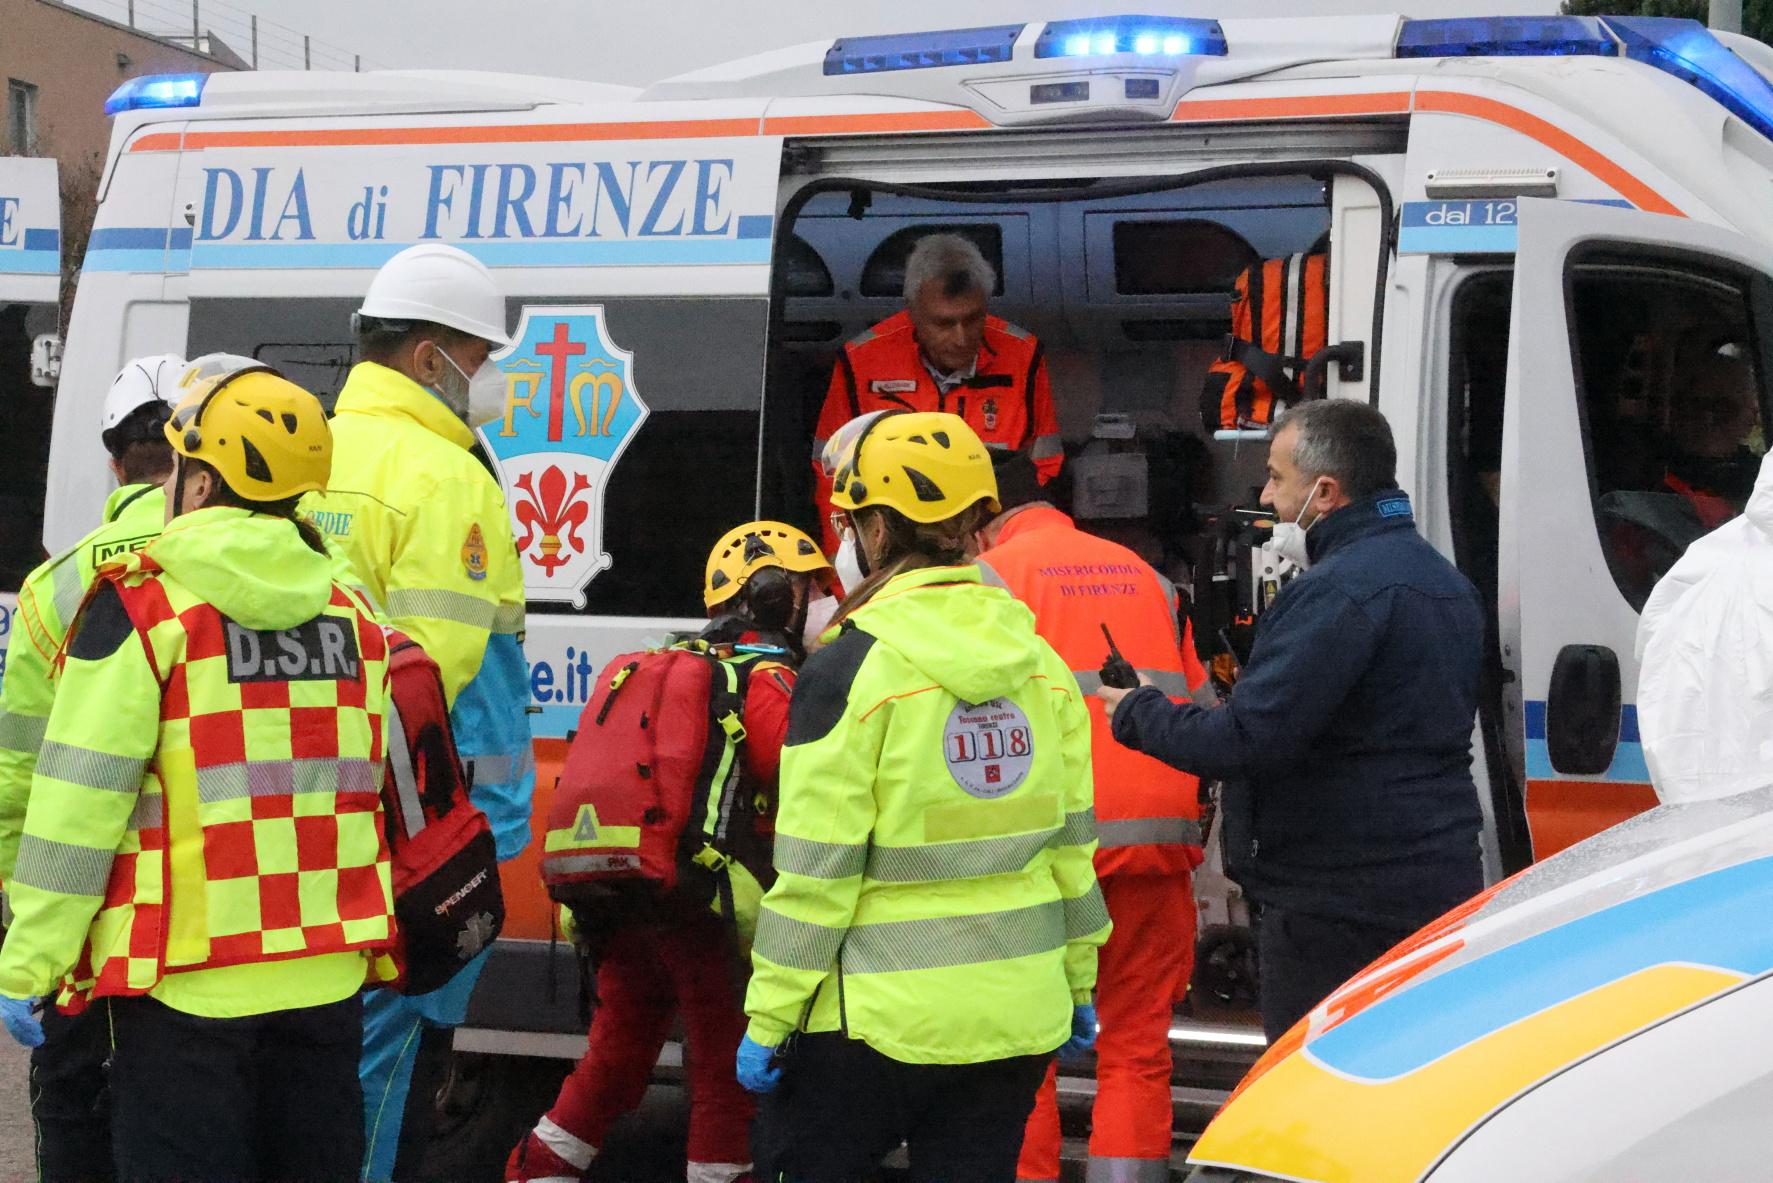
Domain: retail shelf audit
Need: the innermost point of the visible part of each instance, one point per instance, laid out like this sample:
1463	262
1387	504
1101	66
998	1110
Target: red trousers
1142	972
647	974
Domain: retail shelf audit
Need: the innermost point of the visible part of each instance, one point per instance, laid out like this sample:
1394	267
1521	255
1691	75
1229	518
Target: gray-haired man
946	353
1349	810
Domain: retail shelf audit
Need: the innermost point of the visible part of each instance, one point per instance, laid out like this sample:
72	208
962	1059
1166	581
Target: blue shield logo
570	410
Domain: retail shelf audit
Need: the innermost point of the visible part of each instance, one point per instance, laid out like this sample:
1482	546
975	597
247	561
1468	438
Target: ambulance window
1672	381
884	274
24	422
1175	257
308	341
802	272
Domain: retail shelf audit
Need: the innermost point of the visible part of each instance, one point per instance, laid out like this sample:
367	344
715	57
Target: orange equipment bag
1279	323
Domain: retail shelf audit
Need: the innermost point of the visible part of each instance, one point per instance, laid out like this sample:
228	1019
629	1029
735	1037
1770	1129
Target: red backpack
649	808
448	904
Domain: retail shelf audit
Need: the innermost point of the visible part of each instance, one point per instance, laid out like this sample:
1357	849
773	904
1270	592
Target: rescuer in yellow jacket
426	530
202	852
68	1067
931	937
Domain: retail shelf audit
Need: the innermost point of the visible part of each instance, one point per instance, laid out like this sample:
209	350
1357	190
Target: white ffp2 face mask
819	612
848	562
1288	539
478	398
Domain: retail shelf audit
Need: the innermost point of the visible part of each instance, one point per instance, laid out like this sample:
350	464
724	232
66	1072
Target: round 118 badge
988	747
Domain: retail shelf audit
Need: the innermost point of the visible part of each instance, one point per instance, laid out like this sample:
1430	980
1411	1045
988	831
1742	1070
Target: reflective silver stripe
957	860
795	943
1169	681
1086	914
435	603
1127	1170
1149	831
988	575
68	590
95	770
21	733
497	770
1080	827
508	618
1046	446
819	860
1294	294
149	812
283	778
939	942
406	776
62	867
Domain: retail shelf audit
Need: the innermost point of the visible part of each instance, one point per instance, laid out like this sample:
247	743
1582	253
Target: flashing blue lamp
1687	49
1506	36
157	90
1141	36
921	51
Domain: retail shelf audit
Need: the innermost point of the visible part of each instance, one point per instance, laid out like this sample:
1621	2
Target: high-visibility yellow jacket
205	822
133	517
936	896
424	526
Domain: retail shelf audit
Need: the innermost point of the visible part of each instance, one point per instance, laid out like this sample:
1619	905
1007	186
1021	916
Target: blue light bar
922	51
1687	50
157	90
1505	36
1140	36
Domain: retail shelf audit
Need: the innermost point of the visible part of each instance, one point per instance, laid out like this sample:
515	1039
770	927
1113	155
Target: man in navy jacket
1350	815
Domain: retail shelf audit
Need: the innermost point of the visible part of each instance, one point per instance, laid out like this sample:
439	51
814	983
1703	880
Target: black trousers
271	1098
842	1106
69	1101
1303	958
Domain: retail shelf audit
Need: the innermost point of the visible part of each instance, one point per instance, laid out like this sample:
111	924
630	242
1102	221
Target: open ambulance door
1636	411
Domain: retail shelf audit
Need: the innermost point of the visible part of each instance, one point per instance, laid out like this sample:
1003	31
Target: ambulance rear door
1639	367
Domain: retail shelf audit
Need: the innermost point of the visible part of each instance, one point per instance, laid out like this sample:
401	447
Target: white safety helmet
142	381
441	284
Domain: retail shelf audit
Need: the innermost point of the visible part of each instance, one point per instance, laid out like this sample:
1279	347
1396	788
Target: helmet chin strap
178	484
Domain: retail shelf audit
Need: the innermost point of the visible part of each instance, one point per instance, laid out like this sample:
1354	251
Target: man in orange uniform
1147	817
944	353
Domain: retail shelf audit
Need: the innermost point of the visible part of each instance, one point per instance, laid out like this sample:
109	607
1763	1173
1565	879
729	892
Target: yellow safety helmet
745	550
266	436
928	465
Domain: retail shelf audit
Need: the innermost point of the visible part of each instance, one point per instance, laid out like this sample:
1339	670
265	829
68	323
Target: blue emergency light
922	51
1142	36
1505	36
157	90
1686	49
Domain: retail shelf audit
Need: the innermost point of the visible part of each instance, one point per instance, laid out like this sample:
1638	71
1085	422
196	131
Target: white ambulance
1539	229
30	352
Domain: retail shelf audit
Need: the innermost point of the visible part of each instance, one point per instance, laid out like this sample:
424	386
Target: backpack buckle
710	858
734	729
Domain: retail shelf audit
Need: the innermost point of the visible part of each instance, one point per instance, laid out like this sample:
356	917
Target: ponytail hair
911	546
284	508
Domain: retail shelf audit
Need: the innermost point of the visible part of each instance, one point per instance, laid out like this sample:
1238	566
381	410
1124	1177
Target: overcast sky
639	41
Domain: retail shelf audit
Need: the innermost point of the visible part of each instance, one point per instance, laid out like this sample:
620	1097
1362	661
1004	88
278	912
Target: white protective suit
1705	647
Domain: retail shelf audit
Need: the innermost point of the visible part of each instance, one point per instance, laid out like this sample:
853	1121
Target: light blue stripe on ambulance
128	260
1628	763
23	262
367	255
1711	920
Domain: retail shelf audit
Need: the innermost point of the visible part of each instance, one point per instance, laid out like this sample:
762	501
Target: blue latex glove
22	1020
755	1071
1083	1032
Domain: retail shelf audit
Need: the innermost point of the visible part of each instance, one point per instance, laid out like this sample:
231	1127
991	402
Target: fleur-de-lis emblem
555	513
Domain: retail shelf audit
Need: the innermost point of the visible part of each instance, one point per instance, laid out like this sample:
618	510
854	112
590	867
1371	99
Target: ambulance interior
25	409
1127	284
